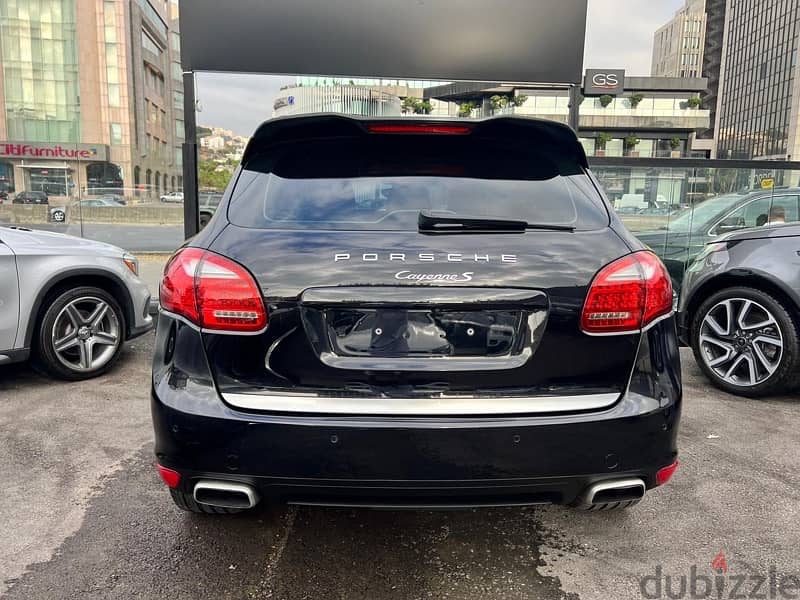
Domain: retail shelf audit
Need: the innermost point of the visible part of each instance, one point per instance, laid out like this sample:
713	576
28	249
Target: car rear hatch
398	279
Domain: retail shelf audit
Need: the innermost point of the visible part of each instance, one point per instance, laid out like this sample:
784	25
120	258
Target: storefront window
52	181
6	177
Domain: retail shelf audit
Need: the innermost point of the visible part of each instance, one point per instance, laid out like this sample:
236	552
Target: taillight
627	295
419	128
212	291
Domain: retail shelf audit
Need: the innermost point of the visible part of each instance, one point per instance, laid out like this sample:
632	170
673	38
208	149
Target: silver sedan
68	303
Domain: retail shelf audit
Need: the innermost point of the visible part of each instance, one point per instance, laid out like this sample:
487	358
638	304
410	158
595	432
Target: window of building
114	99
148	43
153	17
179	132
115	133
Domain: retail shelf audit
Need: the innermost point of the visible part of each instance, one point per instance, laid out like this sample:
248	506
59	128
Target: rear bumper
416	461
382	461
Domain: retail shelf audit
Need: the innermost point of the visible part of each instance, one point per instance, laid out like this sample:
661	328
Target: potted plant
600	143
630	144
693	102
465	109
605	100
498	102
675	144
635	100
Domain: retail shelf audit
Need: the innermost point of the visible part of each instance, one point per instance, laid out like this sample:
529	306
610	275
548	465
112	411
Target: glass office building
91	97
759	106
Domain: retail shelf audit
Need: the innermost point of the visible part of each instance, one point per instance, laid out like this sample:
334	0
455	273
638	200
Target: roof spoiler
555	137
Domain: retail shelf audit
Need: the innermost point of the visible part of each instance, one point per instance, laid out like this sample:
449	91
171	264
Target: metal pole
191	205
574	107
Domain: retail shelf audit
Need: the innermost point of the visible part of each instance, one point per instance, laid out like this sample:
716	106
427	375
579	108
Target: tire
204	219
767	357
608	506
87	348
187	502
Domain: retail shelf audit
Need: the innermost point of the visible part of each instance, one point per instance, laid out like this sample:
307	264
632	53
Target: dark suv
414	313
31	198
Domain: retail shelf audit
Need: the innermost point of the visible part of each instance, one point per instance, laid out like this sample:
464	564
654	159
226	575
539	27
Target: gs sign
604	81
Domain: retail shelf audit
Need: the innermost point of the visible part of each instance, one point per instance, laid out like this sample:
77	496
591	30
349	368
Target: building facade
340	98
91	97
678	46
656	112
758	107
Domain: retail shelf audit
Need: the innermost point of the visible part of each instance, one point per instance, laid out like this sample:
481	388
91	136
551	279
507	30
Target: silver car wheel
86	334
741	342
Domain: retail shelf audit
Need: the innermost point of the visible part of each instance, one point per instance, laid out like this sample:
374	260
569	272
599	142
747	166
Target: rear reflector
627	295
170	477
665	474
212	291
419	128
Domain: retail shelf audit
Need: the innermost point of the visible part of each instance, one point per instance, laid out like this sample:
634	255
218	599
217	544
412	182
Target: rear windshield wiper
437	222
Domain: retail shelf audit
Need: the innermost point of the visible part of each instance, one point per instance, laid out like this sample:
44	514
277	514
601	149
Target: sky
619	34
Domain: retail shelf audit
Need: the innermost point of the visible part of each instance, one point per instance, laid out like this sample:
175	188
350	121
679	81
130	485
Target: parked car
31	198
687	233
69	303
120	200
208	206
102	202
3	196
740	310
172	197
380	312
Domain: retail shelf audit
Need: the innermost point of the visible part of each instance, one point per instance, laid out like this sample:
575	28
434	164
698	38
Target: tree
498	102
209	178
635	100
416	106
605	100
518	100
465	108
631	141
693	102
602	139
408	105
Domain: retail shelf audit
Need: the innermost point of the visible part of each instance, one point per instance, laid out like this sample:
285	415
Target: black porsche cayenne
414	313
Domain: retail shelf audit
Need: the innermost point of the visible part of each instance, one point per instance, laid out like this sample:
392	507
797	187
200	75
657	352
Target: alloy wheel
86	334
741	342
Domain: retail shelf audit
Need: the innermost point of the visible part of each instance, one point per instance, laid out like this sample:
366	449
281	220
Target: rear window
382	183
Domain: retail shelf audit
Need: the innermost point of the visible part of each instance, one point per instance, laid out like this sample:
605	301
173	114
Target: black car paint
458	459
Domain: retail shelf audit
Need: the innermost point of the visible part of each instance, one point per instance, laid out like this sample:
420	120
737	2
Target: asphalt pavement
85	516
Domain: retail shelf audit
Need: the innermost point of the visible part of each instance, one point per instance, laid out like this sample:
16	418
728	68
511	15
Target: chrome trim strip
194	326
428	363
440	405
647	327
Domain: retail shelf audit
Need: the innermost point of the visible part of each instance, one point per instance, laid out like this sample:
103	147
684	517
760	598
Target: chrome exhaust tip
225	494
615	490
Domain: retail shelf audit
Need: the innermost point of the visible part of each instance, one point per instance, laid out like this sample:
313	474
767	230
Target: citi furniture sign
84	152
